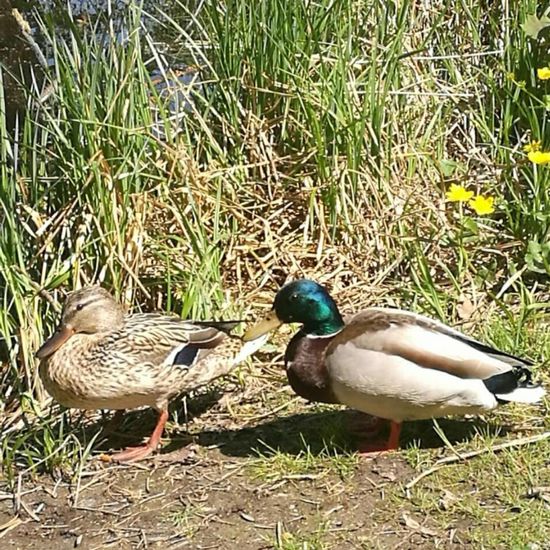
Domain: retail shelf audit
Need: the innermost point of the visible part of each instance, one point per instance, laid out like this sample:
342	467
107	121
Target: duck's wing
156	339
426	343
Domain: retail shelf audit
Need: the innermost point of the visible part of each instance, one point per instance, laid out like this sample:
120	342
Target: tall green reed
86	184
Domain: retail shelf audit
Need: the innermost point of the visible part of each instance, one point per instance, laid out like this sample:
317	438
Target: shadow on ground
316	431
319	432
72	431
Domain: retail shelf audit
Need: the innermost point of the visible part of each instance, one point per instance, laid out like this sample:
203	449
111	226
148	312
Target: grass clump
273	464
185	519
500	507
287	540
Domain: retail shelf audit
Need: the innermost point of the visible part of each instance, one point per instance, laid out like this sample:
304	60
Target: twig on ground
464	456
13	523
29	512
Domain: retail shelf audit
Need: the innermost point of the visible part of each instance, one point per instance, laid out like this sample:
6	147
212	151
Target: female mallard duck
390	363
102	358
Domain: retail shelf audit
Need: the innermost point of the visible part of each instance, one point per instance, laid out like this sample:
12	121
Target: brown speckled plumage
102	358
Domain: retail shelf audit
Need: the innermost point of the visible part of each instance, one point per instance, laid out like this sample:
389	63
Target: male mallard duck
390	363
102	358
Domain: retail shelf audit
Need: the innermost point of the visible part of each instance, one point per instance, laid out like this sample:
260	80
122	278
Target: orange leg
132	454
395	432
391	444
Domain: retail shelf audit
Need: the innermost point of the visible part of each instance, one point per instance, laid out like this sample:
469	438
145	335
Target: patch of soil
197	498
204	494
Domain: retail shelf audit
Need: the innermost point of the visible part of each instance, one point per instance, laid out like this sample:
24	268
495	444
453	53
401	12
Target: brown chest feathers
306	369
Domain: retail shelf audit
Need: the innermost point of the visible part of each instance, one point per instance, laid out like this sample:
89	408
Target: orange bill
59	337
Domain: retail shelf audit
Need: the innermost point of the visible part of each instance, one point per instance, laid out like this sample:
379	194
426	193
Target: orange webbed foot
133	454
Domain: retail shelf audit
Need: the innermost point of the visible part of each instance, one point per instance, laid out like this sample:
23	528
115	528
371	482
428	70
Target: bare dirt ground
209	502
249	469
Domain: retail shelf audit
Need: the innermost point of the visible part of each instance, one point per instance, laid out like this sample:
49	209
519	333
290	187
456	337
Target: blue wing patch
186	356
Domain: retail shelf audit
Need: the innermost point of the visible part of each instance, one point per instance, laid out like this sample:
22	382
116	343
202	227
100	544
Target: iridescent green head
305	302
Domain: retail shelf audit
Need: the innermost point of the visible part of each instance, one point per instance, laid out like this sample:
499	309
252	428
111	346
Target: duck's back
399	365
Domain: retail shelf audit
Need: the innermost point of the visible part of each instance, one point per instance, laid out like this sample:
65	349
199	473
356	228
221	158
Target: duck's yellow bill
271	322
58	338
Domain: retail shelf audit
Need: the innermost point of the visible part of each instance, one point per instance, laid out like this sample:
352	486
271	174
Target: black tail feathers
507	382
514	385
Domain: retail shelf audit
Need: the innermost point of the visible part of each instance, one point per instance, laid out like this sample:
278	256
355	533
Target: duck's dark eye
79	307
293	297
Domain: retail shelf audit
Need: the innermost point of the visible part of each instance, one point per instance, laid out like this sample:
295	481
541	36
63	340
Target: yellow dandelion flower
539	157
544	73
457	193
533	146
482	205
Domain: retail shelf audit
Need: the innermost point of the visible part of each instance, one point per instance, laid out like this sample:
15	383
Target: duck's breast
78	376
306	369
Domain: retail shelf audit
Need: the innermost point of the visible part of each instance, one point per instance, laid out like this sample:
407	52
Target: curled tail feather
515	385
